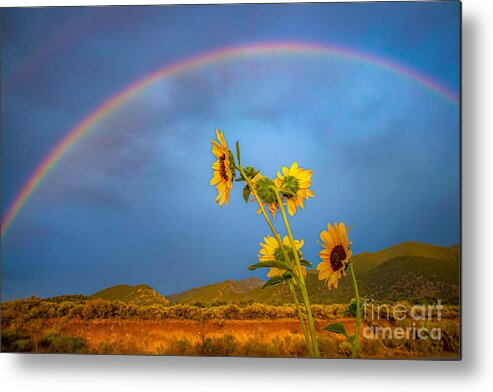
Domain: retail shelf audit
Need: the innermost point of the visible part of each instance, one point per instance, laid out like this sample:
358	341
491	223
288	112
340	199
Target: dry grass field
257	338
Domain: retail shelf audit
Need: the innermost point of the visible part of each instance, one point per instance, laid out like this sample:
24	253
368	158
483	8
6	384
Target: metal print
269	180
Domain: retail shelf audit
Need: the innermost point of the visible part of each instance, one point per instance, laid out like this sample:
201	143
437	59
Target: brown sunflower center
337	256
222	168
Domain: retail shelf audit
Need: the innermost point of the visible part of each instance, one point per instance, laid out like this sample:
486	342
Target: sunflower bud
290	186
264	189
250	172
279	253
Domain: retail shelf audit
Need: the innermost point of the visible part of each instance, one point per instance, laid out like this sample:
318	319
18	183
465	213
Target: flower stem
354	348
302	319
286	256
302	284
257	198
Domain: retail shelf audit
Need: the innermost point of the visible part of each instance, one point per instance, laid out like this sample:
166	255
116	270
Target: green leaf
273	281
306	263
238	152
246	193
336	328
287	275
239	179
269	264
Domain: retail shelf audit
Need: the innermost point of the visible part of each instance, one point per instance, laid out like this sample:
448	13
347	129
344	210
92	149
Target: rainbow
216	56
59	41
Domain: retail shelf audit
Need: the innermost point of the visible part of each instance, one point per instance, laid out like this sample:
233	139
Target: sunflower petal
324	274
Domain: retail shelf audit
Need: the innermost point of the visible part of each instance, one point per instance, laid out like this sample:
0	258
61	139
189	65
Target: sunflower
270	251
273	207
297	181
335	255
223	169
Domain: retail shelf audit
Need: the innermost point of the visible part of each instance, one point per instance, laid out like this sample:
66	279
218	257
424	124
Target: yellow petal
286	241
215	179
327	237
324	274
224	198
291	207
271	242
220	137
343	235
293	169
325	253
322	266
299	244
334	233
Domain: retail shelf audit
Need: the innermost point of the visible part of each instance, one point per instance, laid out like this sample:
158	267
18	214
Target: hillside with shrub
225	291
412	271
140	295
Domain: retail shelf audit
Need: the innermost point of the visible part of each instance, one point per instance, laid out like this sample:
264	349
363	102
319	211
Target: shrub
16	341
55	343
221	346
179	347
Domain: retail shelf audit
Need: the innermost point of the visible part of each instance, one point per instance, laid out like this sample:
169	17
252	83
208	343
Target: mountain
140	295
408	271
227	291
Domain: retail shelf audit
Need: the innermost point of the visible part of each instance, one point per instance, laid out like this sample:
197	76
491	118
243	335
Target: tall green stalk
354	348
309	344
262	208
302	284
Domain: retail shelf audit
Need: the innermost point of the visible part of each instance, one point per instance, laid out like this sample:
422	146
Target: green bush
221	346
180	347
16	341
55	343
91	309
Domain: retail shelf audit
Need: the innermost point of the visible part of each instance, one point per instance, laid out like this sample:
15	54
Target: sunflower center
222	168
291	184
337	256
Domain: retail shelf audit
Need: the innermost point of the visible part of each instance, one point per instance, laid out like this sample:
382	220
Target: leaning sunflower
270	251
223	169
335	255
297	181
272	206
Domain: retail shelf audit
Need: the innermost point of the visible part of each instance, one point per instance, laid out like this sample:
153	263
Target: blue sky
130	203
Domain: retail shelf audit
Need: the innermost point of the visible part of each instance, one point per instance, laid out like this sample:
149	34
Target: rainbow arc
209	58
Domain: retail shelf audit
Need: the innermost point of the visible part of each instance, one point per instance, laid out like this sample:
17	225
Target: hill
225	291
141	295
408	271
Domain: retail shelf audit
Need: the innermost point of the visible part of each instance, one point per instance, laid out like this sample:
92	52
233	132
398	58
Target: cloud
131	201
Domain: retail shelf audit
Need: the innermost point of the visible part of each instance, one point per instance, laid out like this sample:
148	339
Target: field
108	327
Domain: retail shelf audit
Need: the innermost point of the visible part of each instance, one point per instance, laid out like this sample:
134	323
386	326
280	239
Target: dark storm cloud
131	202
